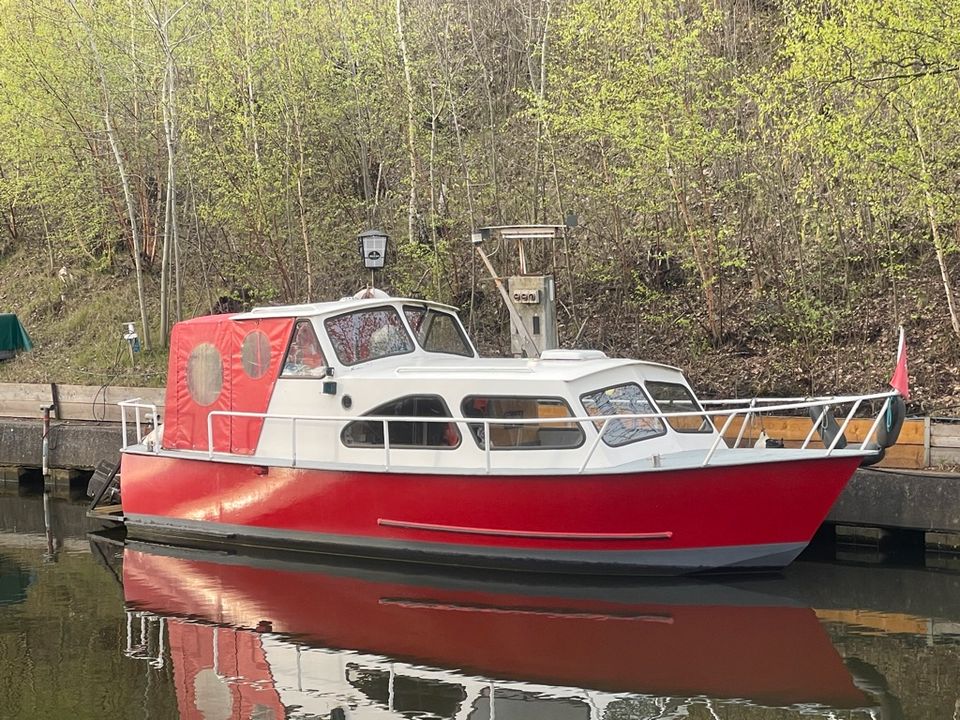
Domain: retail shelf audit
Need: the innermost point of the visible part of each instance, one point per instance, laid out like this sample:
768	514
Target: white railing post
813	428
386	445
293	441
210	433
746	420
596	443
123	423
716	443
486	444
843	427
136	411
876	424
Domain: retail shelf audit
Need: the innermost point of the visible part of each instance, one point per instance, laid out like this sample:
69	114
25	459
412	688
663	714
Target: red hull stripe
524	533
418	605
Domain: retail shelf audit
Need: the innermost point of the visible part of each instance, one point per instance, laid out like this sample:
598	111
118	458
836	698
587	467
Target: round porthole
205	374
255	354
347	402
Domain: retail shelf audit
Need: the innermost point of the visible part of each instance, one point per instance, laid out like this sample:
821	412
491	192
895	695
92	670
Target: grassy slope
76	327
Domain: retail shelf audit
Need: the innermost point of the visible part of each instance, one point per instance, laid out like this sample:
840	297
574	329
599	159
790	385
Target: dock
84	428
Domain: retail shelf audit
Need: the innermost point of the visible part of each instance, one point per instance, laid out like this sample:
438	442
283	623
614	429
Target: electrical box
534	298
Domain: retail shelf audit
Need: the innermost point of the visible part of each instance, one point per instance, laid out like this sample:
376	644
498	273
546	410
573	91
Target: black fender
827	426
892	422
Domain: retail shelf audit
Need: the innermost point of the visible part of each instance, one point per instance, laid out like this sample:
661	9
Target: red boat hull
668	521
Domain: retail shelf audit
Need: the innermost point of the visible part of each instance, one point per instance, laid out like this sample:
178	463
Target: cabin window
516	436
255	354
437	435
626	399
365	335
437	331
204	374
675	398
304	356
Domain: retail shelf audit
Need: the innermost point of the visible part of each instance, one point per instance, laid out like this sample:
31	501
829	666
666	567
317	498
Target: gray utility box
535	299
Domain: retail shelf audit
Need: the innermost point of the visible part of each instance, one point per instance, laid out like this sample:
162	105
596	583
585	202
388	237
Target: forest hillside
763	190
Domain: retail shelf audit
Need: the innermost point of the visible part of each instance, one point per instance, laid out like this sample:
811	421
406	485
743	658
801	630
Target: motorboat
247	633
371	427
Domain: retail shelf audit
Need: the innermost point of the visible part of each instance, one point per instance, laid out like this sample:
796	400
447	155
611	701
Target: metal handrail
136	405
487	423
582	421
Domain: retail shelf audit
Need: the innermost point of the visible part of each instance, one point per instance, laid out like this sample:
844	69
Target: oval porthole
205	374
255	354
347	402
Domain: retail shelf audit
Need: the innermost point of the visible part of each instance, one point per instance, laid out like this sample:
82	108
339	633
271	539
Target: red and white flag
900	380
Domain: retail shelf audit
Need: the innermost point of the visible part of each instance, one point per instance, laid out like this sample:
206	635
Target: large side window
437	331
406	433
304	356
675	398
516	436
626	399
367	335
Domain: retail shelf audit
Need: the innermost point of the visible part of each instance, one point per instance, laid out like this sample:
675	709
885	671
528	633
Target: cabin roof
335	307
464	369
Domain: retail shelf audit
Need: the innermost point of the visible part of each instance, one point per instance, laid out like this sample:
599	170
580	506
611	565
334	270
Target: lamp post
373	250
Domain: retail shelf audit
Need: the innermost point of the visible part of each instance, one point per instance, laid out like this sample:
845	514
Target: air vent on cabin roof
560	354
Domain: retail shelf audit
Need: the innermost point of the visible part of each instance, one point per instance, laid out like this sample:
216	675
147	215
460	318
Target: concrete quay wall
900	499
74	445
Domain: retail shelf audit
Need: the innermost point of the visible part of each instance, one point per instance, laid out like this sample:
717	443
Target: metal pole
514	316
46	440
48	528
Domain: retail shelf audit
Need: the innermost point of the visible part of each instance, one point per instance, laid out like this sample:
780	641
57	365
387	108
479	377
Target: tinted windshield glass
367	335
437	331
627	399
675	398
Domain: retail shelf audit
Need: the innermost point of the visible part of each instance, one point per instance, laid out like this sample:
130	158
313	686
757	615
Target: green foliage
787	159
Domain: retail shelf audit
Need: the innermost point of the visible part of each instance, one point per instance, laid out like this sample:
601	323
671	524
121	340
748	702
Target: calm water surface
92	629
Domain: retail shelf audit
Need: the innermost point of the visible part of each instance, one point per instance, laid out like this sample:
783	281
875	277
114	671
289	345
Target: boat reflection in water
258	638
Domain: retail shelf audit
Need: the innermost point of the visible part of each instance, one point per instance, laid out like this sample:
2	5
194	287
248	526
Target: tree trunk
938	244
121	170
411	150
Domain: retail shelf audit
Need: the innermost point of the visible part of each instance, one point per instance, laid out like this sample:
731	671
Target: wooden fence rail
911	451
72	402
944	442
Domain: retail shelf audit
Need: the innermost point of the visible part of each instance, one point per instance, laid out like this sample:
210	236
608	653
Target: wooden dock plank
944	435
944	456
76	402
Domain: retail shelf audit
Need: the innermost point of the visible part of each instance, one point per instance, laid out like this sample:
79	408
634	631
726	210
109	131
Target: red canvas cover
186	422
253	394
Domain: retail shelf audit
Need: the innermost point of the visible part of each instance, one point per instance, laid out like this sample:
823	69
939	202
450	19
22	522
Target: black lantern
373	248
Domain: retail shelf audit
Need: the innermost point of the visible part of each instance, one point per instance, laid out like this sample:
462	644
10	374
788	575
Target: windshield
437	331
365	335
626	399
675	398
